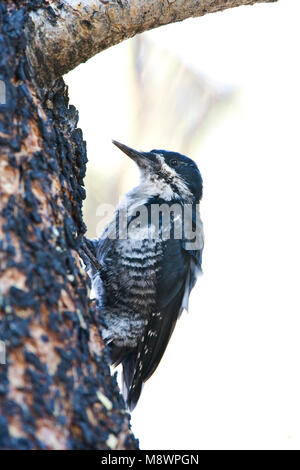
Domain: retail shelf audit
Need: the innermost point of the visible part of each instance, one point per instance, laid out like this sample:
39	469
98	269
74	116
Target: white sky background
230	376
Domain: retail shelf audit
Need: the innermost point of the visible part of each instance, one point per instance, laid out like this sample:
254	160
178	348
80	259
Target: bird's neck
157	191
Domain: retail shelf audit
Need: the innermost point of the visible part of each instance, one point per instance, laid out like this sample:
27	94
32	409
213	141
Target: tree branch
69	32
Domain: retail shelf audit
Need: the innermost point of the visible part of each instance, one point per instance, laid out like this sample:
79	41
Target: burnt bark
56	391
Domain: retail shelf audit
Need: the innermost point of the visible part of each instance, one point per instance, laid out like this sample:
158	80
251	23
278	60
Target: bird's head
171	174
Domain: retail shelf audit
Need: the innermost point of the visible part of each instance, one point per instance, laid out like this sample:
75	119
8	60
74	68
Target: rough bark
69	32
56	391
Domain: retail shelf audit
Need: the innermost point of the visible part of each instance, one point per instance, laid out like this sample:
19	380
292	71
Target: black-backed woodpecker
147	269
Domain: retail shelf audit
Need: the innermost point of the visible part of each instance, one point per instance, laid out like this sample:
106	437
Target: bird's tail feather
134	395
129	364
127	357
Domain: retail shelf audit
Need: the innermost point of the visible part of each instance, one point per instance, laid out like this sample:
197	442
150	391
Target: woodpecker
148	267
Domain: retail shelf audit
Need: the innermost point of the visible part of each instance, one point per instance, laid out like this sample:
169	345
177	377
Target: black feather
176	275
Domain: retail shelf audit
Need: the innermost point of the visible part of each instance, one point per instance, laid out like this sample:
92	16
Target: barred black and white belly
131	289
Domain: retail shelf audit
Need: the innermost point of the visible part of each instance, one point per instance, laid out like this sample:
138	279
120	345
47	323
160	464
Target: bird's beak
142	159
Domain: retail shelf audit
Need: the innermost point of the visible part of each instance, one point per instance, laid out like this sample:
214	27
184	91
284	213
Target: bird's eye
174	162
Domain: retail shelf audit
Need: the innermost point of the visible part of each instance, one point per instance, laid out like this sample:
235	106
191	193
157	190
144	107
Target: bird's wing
177	278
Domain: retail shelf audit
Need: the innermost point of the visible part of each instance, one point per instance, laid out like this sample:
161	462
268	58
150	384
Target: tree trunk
56	391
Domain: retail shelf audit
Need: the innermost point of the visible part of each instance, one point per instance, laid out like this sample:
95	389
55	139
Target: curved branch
69	32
